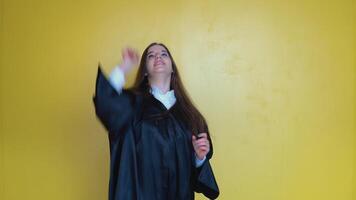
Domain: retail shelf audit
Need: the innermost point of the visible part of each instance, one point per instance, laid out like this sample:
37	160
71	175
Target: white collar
168	99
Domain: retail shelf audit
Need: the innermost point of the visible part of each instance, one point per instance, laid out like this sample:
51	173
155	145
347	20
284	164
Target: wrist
199	157
199	162
125	67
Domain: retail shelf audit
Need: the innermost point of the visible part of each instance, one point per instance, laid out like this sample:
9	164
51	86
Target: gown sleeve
113	109
204	178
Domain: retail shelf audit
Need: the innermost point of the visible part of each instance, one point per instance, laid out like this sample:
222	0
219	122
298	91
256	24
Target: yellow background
275	80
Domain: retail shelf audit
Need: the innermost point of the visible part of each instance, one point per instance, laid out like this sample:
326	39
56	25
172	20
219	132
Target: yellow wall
276	81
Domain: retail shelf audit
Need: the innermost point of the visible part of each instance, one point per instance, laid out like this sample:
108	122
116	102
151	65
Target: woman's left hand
201	145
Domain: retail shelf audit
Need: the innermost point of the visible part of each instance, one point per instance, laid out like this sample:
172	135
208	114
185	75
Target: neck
162	83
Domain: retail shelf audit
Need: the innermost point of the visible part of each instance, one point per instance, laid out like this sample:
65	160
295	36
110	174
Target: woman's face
158	61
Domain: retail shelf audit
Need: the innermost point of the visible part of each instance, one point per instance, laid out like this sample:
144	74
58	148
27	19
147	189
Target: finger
198	145
203	140
204	149
137	56
202	143
131	53
127	53
207	148
204	152
206	143
124	52
203	135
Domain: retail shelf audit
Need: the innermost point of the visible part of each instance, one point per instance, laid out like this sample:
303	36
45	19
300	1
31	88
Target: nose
158	56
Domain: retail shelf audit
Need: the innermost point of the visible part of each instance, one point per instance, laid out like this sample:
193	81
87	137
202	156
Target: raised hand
130	59
201	145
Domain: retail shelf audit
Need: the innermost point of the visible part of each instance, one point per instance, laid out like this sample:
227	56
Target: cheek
149	65
169	63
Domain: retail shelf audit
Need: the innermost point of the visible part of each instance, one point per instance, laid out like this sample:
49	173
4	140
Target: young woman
159	142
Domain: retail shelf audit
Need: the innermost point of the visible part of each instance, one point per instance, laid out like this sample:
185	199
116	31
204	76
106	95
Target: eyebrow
161	51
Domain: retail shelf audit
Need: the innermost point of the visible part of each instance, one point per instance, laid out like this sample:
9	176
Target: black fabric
151	150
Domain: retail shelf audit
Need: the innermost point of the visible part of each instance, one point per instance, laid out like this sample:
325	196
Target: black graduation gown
151	153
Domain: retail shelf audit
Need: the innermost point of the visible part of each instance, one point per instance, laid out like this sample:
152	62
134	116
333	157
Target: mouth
158	63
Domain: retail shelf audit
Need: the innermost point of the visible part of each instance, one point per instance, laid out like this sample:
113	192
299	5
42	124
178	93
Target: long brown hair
194	118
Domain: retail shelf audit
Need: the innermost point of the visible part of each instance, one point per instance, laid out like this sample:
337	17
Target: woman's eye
150	56
164	54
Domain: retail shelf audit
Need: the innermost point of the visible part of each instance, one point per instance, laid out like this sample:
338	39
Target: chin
160	73
160	69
